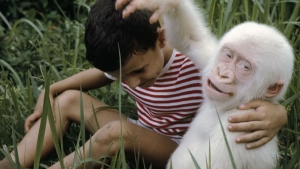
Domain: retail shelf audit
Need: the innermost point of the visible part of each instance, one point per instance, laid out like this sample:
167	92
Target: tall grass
35	48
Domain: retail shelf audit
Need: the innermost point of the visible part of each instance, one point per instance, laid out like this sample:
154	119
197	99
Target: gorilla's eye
228	55
245	65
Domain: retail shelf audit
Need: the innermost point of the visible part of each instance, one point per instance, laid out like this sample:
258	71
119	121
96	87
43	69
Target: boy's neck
167	52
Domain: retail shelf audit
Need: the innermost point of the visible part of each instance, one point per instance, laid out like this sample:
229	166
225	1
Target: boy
165	84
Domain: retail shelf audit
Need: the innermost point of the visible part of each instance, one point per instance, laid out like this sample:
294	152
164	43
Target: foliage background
37	37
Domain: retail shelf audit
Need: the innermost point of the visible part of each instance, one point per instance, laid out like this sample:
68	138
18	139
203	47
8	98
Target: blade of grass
120	157
54	134
29	91
79	3
82	126
295	159
15	102
5	20
289	29
209	155
95	117
122	151
219	29
231	15
171	165
291	99
7	155
293	131
77	153
282	15
254	16
246	8
113	163
211	13
61	136
194	161
90	155
90	160
41	134
56	73
227	145
76	46
17	160
15	75
266	11
226	15
25	21
88	8
59	8
136	156
34	86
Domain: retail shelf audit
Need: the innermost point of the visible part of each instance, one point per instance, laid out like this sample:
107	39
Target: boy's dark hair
108	35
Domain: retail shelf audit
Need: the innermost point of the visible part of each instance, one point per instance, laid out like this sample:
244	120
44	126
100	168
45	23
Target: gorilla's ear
275	89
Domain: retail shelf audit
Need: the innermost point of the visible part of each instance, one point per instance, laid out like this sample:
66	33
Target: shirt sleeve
109	76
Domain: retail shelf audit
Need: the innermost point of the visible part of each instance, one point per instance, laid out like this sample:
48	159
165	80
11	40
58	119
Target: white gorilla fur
272	60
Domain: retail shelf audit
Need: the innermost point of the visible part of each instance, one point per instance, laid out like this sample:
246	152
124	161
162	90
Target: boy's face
142	69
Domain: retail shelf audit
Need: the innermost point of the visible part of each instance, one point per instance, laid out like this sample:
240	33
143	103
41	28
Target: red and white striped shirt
170	104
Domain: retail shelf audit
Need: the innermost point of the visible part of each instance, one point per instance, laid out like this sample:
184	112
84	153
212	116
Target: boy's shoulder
183	59
181	65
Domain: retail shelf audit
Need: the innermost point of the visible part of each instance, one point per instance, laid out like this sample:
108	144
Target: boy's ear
161	37
275	89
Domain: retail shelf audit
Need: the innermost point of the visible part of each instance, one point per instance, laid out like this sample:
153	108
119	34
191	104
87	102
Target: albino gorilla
251	61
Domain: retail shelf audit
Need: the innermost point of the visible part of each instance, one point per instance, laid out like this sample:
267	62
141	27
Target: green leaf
226	141
194	161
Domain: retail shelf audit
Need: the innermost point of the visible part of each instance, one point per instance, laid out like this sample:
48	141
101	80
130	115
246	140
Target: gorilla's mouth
217	89
214	87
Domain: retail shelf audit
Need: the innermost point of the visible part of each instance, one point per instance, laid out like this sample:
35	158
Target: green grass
40	50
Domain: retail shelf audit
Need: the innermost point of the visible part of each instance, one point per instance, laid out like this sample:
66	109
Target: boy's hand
263	123
156	6
38	110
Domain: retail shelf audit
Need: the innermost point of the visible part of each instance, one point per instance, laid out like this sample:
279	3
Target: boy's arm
88	79
186	29
262	124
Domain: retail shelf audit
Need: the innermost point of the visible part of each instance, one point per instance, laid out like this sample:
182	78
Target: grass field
42	42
